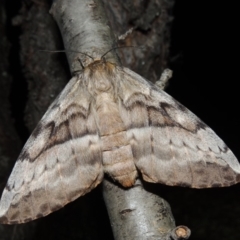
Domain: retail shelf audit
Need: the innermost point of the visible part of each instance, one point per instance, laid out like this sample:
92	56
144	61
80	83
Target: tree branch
132	212
84	29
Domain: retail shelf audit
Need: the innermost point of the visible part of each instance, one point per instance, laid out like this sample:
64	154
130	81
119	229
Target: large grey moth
110	120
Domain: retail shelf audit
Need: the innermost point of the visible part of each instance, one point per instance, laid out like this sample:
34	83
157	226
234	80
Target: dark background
205	80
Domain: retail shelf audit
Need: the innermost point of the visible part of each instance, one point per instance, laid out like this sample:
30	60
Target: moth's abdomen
116	150
118	158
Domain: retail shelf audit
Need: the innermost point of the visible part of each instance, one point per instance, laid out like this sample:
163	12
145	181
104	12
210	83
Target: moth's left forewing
169	143
60	161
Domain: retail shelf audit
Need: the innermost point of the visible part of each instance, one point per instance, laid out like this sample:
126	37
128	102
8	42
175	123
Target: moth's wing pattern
170	144
60	161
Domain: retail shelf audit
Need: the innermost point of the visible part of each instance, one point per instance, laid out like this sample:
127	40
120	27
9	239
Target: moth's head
98	58
100	65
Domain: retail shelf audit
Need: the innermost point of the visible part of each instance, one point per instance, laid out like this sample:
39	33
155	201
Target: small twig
166	75
123	36
180	233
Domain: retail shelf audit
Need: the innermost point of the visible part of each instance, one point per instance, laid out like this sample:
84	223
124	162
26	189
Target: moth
108	119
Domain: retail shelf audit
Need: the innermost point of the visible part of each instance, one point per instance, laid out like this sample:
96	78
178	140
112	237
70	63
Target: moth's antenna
117	48
72	51
80	61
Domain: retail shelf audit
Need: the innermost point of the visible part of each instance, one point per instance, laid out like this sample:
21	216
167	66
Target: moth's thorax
100	76
100	64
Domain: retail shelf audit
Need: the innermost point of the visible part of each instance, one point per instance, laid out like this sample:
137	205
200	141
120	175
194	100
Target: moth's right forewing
60	161
170	144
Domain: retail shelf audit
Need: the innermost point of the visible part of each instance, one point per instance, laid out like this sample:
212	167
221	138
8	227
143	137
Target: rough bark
8	136
45	73
9	140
